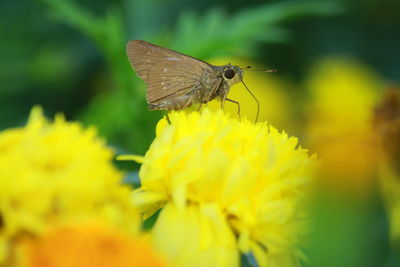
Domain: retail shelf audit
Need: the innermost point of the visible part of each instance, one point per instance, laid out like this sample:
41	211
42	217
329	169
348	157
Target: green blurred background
69	56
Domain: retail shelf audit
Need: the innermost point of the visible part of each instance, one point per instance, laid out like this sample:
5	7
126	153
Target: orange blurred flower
86	246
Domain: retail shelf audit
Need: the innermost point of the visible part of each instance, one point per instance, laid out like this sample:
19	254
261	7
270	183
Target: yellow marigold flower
197	235
270	90
227	186
343	96
88	245
57	173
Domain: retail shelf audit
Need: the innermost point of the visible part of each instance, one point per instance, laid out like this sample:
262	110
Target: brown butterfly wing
167	73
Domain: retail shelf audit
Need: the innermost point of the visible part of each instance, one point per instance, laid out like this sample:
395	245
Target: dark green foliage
215	33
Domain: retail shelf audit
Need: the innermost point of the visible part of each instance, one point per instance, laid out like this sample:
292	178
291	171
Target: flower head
237	183
54	174
343	94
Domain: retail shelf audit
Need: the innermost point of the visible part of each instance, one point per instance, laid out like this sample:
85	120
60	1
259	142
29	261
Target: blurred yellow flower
343	95
88	245
270	90
227	186
54	174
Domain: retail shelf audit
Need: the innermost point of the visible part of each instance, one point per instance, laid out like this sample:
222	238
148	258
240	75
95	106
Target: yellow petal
137	158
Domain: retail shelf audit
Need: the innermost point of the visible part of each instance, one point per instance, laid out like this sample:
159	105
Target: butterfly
176	81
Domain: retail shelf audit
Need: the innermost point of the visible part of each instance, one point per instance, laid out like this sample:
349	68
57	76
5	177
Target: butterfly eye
229	73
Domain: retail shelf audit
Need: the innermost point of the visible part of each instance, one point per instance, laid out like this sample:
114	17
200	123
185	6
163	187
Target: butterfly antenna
248	68
255	98
271	70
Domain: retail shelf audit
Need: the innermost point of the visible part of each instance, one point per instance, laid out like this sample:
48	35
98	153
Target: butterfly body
176	81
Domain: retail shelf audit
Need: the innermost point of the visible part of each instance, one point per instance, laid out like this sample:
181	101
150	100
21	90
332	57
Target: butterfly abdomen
177	103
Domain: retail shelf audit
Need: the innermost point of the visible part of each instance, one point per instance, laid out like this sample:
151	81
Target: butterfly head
232	74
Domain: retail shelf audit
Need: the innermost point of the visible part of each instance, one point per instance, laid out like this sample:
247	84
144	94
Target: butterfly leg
223	99
199	108
237	103
167	118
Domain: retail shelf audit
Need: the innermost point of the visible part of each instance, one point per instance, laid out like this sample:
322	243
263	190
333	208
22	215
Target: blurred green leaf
118	111
107	34
149	223
215	33
347	231
75	16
